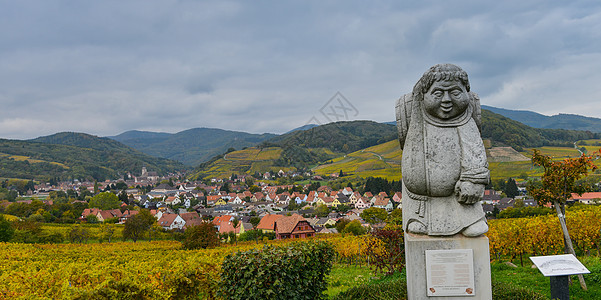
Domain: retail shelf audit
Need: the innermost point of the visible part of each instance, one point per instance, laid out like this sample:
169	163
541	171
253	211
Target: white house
171	221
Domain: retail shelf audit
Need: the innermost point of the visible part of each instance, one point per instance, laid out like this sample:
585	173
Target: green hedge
294	271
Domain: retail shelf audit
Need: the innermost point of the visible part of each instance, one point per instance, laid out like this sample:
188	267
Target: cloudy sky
105	67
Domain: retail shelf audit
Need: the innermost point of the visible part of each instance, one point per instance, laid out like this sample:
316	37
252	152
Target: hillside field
384	160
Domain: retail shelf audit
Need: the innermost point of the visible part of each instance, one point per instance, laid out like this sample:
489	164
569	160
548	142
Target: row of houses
334	199
284	227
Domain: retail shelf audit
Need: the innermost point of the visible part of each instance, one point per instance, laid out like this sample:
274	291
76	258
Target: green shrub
6	229
294	271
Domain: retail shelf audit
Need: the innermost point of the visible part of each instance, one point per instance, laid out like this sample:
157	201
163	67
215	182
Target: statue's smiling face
446	99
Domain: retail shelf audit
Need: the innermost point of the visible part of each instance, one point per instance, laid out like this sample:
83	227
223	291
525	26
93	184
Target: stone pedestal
415	256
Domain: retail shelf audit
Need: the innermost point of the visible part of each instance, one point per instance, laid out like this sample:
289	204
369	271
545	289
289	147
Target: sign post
558	268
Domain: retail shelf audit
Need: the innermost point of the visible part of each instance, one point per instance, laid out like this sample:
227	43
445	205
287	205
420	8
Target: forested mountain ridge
560	121
344	136
82	140
70	155
503	131
192	146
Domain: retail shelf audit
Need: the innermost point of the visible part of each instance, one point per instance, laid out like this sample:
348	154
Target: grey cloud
268	66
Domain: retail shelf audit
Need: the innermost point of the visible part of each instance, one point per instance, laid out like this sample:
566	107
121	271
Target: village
286	211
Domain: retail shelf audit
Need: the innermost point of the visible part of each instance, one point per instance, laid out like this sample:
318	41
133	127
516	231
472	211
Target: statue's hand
468	193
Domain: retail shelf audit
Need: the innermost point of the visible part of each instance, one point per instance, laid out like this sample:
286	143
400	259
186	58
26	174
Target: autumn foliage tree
202	236
137	225
558	182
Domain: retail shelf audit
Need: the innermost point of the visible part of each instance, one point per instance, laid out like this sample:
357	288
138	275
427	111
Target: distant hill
345	136
300	149
560	121
506	132
82	140
70	155
304	127
192	146
367	148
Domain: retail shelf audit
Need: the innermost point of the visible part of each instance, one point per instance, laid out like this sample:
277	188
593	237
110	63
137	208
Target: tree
6	229
374	215
154	229
107	230
235	223
343	208
92	219
322	211
201	236
137	225
511	188
78	234
558	182
226	188
255	221
252	235
253	189
314	186
354	227
105	201
123	197
395	217
293	205
341	224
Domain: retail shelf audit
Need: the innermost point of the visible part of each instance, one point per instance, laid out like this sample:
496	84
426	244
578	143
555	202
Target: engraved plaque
450	272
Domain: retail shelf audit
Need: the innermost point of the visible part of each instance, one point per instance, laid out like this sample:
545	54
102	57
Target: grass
532	279
342	277
359	282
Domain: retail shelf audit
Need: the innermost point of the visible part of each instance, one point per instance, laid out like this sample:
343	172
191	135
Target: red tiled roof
268	221
218	220
189	216
587	196
167	219
287	224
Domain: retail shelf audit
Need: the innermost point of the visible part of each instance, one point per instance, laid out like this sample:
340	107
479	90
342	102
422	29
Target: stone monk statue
444	161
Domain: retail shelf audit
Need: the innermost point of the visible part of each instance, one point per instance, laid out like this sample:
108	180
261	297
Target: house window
296	236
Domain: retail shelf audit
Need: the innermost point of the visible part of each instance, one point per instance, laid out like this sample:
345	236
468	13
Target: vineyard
542	235
146	270
164	270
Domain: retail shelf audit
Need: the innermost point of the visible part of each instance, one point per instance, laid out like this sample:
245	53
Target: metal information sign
559	265
450	272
